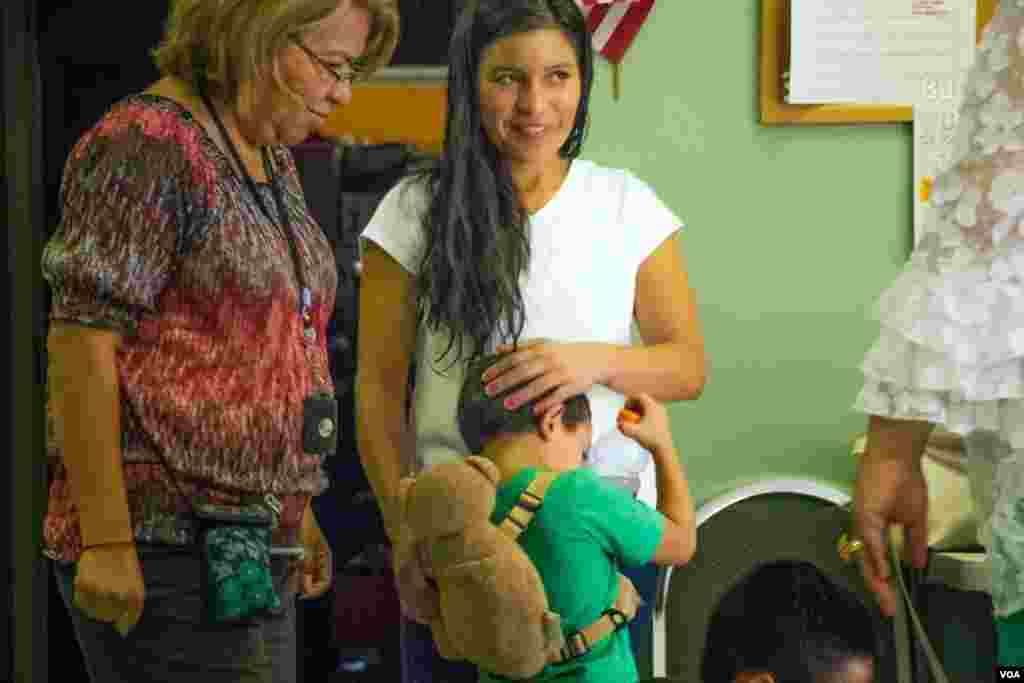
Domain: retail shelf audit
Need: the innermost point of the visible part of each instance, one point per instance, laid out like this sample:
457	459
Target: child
586	528
786	622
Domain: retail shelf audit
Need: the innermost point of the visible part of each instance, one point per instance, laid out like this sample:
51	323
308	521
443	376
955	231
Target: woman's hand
109	586
889	491
550	369
318	565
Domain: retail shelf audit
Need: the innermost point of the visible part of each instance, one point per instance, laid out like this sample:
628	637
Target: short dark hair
482	417
789	619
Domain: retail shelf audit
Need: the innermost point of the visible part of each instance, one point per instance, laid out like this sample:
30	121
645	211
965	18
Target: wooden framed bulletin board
411	112
775	61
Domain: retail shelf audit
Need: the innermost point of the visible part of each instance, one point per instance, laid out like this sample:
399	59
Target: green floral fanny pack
233	545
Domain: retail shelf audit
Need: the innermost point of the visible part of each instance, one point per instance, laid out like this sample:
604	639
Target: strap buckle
529	502
576	645
617	618
273	502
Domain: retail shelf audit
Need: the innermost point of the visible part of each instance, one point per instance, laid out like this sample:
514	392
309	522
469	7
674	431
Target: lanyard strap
305	297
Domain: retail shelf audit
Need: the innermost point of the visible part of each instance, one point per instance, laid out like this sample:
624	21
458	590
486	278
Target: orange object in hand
628	415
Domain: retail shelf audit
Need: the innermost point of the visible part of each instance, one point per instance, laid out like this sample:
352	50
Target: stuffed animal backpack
494	610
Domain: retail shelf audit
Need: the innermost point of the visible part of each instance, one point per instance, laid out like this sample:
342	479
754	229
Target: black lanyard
305	296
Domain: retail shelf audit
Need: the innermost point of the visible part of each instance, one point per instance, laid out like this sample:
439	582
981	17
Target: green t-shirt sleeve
624	527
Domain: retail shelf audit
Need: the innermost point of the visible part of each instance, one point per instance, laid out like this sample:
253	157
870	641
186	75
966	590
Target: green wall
792	233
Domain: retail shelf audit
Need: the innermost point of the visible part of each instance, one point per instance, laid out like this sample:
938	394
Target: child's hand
646	421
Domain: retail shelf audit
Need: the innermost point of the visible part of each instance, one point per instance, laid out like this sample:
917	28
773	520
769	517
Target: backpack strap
627	602
530	500
579	643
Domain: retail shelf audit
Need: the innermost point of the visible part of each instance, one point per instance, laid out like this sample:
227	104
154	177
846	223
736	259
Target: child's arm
646	421
679	541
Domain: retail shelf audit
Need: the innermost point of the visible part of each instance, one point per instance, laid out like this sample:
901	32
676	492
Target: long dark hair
475	228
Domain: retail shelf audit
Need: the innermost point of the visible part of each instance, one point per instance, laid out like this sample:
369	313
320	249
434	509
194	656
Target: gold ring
848	547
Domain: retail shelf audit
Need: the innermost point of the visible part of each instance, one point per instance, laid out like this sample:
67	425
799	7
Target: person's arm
679	540
85	396
646	421
671	365
891	491
387	338
892	439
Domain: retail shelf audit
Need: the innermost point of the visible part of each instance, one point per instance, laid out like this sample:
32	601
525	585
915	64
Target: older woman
951	348
513	238
191	290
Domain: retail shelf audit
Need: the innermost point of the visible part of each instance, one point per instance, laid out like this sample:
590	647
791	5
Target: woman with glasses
191	292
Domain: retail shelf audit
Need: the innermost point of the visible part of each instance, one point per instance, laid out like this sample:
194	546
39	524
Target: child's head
786	622
562	436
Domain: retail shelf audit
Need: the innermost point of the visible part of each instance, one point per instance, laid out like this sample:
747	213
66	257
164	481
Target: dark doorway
24	656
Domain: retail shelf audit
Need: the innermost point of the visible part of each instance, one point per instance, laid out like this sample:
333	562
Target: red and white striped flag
613	24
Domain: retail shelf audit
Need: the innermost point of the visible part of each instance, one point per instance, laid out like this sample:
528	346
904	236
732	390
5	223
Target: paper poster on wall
936	117
935	123
878	51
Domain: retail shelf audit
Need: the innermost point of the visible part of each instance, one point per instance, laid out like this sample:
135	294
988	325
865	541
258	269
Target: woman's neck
180	91
232	121
537	184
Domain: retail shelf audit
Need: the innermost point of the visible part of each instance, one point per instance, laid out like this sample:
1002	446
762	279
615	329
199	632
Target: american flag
613	24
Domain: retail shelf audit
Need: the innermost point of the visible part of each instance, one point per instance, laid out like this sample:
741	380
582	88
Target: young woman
513	239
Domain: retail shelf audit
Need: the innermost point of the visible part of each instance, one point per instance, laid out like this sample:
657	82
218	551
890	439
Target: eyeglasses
347	77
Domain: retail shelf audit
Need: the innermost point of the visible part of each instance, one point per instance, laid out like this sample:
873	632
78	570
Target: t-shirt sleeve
127	205
648	220
397	224
626	528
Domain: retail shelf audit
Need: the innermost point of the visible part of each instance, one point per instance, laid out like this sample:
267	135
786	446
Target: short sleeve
125	203
624	527
647	219
397	224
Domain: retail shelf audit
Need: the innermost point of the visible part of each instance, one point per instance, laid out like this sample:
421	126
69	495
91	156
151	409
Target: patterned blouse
161	240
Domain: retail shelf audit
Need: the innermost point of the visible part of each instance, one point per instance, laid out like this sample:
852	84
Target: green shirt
586	529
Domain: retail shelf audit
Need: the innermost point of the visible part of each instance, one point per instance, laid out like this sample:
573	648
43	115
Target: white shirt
587	245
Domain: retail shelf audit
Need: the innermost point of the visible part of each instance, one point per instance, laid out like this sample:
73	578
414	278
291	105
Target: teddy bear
493	608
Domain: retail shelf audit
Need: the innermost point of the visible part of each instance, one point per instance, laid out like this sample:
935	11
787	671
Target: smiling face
308	67
530	89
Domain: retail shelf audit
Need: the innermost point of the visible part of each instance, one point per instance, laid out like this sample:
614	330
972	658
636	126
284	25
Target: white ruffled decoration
951	348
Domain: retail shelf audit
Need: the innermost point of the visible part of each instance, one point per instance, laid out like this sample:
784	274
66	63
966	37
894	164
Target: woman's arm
670	366
85	395
387	338
894	439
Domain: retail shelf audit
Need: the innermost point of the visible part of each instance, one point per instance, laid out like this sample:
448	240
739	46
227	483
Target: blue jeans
422	664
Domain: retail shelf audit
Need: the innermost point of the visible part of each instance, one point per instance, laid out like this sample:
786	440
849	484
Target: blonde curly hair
231	42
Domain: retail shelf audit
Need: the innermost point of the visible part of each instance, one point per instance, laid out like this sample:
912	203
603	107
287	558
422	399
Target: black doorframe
26	598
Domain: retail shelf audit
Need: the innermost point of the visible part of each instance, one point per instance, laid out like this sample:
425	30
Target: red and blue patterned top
160	239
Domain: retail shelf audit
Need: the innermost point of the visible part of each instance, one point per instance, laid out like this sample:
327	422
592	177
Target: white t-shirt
587	244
